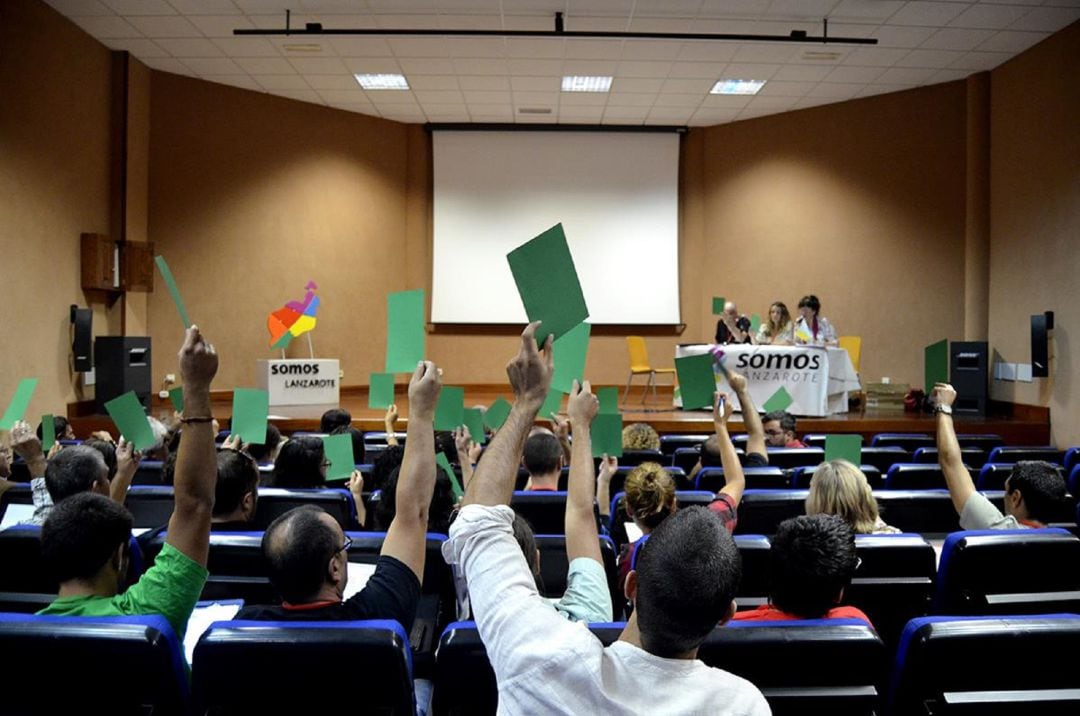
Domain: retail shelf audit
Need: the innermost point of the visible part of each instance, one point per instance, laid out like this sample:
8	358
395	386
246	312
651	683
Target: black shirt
392	593
723	335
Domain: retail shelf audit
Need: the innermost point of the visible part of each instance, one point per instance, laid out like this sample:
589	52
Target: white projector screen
616	195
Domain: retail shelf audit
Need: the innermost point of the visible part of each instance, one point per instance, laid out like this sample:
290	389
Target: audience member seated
711	450
333	419
650	499
62	429
357	442
301	463
779	330
543	460
237	492
1035	493
811	563
307	551
682	588
811	328
640	436
85	541
107	448
385	463
839	488
732	327
780	430
439	511
267	451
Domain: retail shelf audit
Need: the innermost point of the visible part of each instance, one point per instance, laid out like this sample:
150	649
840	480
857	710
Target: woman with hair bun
650	499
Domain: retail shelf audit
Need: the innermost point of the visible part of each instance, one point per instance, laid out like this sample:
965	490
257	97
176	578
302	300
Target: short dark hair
73	470
810	301
542	453
357	441
1042	487
710	453
237	475
297	546
687	574
334	418
261	451
384	465
439	511
108	452
787	420
81	533
60	426
299	463
812	559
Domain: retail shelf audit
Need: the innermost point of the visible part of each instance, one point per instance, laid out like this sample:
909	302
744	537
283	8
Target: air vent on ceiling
822	55
301	47
534	110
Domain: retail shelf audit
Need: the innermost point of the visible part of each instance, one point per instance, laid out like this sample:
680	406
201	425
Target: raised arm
127	462
388	424
950	458
734	480
530	377
196	462
755	431
463	444
582	539
405	540
608	466
26	445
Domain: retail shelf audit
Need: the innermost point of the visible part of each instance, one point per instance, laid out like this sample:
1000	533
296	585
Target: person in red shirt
811	563
780	430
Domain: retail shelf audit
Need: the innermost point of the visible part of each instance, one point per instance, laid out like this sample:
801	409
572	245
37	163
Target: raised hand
462	440
943	394
390	418
721	410
25	443
531	369
737	381
582	406
198	361
232	443
424	390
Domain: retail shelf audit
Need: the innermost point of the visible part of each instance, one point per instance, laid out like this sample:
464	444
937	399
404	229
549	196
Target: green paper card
548	283
176	395
780	400
844	447
450	410
130	419
48	433
16	409
170	283
404	331
755	323
697	383
606	435
250	409
497	413
718	305
552	404
474	421
935	365
609	400
455	486
381	390
339	451
569	357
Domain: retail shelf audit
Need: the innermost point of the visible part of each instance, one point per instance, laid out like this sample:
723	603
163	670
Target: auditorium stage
1017	424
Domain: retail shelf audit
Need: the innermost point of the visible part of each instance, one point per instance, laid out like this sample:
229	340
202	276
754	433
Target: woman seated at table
779	329
811	328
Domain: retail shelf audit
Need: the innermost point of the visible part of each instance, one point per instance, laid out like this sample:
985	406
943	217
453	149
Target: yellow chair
853	346
639	365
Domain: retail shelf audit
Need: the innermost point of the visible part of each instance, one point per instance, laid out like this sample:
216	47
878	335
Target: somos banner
300	381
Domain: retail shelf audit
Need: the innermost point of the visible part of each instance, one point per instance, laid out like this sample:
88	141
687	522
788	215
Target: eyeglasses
858	563
344	547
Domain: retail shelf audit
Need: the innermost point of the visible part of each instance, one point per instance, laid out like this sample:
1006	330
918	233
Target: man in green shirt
85	540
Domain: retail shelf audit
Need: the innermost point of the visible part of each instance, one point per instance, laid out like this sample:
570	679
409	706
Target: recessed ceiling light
737	86
576	83
382	82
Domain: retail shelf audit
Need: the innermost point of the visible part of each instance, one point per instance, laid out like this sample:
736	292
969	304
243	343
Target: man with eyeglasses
307	551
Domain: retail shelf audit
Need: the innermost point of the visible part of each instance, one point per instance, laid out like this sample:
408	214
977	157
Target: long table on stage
818	379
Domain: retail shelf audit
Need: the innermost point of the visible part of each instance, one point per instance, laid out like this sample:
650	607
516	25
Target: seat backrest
1070	460
139	655
1073	483
941	664
379	438
906	441
685	457
884	457
788	458
554	565
639	354
926	512
233	661
754	551
633	458
985	442
545	511
973	456
669	443
801	476
760	478
760	511
150	505
853	346
274	502
464	679
915	476
894	581
148	473
21	568
1016	453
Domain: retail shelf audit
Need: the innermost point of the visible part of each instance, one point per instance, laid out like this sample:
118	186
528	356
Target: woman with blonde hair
839	488
640	436
650	499
779	330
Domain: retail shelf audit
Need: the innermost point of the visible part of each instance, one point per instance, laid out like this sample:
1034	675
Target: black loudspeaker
122	364
969	367
1040	344
81	321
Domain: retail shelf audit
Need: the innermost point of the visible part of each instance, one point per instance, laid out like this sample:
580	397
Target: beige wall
1035	220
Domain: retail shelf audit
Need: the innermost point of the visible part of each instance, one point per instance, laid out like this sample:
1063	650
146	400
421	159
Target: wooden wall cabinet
116	266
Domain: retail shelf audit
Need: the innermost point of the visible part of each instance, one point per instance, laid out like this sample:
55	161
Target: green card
609	400
16	409
381	390
755	323
170	283
552	404
474	421
250	409
569	357
780	400
404	331
844	447
497	413
548	283
607	435
455	486
935	365
450	410
718	305
130	418
48	433
176	395
697	383
338	450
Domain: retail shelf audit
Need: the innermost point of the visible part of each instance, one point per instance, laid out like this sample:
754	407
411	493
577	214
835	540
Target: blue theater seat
758	478
884	457
894	582
152	506
985	442
915	476
685	458
905	441
148	473
632	458
1071	459
553	566
789	458
379	438
975	457
670	443
1009	453
800	477
21	566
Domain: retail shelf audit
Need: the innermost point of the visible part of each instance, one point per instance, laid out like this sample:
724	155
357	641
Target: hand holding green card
404	331
338	450
606	435
127	413
548	283
381	391
176	395
718	305
16	409
936	365
570	351
170	283
450	410
251	407
609	400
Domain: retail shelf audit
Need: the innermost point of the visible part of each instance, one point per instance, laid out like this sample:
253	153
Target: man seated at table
780	430
732	326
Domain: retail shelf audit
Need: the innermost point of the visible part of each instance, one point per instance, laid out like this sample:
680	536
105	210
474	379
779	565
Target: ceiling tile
726	101
1047	19
535	67
212	66
79	8
854	74
372	65
140	7
281	82
838	90
487	97
698	87
711	118
678	100
802	73
581	114
593	49
951	38
470	22
989	17
266	65
410	47
534	48
875	89
485	84
930	58
476	46
426	97
392	98
425	66
246	46
427	20
206	7
776	103
142	49
698	70
800	8
107	27
675	115
333	82
167	64
433	82
639	113
491	113
652	24
949	76
905	75
165	27
182	47
241	81
634	84
894	36
318	65
583	99
702	51
879	10
745	71
1012	41
767	52
807	102
977	61
303	95
650	50
929	14
593	68
481	67
353	96
874	57
785	89
632	99
360	46
219	25
535	84
536	99
302	47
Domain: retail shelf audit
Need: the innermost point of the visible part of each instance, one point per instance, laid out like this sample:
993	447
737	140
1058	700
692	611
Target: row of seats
820	666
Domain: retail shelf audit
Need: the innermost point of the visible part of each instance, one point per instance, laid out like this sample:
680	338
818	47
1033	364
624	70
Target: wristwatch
946	409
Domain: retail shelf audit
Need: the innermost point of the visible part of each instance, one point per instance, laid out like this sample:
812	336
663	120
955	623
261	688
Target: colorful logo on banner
294	319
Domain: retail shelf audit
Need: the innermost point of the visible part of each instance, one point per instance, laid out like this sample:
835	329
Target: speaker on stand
970	375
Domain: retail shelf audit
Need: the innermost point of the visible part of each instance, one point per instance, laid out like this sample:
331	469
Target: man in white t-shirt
682	589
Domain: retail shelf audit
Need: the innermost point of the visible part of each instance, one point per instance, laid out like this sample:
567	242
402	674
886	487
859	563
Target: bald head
298	547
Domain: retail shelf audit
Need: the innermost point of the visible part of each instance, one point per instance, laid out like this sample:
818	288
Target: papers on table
359	574
204	615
